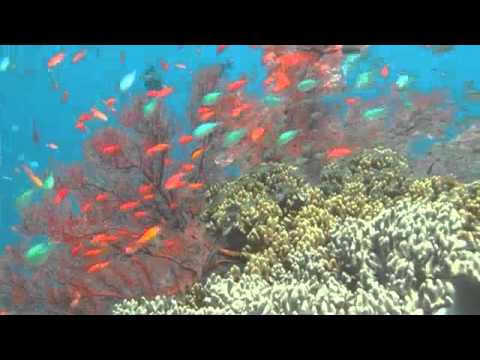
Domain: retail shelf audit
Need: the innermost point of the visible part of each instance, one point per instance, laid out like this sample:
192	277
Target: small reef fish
145	189
4	64
102	197
110	104
55	60
98	267
60	195
187	168
287	136
98	114
86	207
211	98
127	81
157	148
338	152
204	129
78	56
234	137
185	139
221	48
196	186
35	179
175	181
236	85
165	91
181	66
307	85
384	71
129	205
198	152
257	134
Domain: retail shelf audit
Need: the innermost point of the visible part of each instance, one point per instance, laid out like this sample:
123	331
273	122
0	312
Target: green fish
205	129
38	254
374	113
233	137
287	136
25	199
272	100
364	80
307	85
49	182
150	107
211	98
403	81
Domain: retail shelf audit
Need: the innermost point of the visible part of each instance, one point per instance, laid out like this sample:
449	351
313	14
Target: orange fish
164	65
157	148
61	194
281	81
196	185
78	56
236	85
187	167
98	267
103	239
175	181
35	179
52	146
65	96
56	60
352	101
93	252
181	66
98	114
384	71
129	205
198	152
257	134
149	235
185	139
338	152
203	110
166	90
114	149
221	48
102	197
86	207
145	189
140	214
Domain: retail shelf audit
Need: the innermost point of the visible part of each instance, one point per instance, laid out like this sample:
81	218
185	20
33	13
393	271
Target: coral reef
306	254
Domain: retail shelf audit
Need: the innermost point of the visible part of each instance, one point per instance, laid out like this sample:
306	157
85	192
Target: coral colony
328	215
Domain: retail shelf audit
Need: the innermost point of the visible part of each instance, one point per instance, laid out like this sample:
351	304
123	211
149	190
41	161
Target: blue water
26	94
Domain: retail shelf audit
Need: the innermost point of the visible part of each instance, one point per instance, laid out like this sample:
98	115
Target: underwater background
39	106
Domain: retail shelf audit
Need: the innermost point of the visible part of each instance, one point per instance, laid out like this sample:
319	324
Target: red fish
187	167
56	60
93	252
145	189
78	56
175	181
130	205
185	139
103	239
98	267
351	101
140	214
65	96
86	207
61	194
338	152
165	66
221	48
110	103
149	197
85	117
236	85
76	250
112	150
239	109
102	197
206	116
165	91
80	126
384	71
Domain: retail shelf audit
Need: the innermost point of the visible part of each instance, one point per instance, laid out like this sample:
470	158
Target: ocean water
40	106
